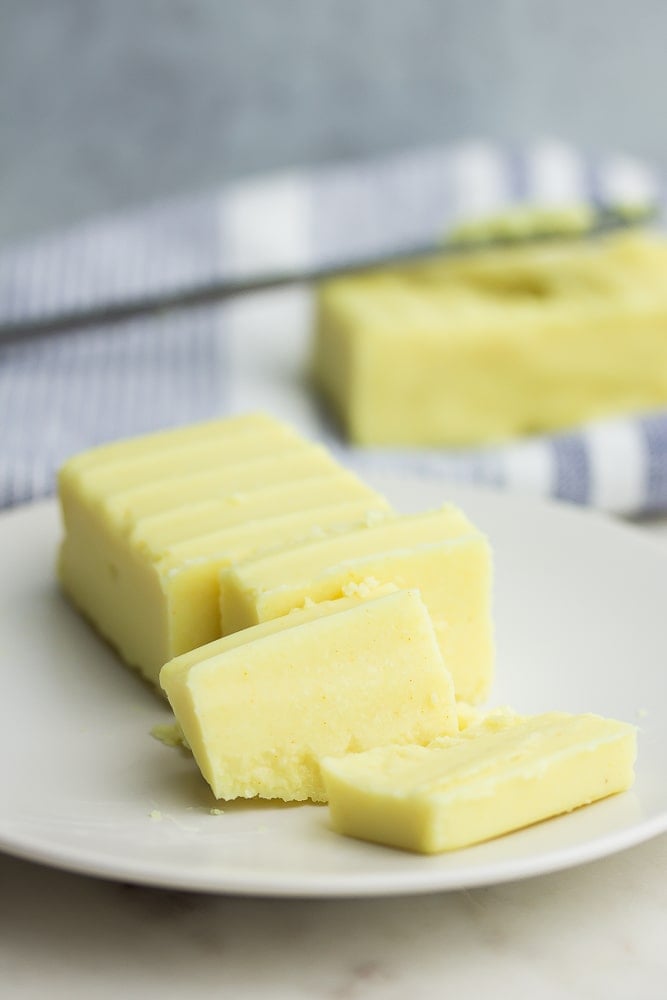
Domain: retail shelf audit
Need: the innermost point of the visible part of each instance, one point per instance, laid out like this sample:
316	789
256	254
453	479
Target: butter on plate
149	523
494	344
260	707
484	783
439	552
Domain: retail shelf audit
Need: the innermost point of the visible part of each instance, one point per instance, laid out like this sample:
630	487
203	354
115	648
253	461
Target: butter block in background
439	552
259	707
150	522
490	345
486	782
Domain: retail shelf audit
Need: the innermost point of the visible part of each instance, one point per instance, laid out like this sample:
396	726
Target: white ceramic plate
581	626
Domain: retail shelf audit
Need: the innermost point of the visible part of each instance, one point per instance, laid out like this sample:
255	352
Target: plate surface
581	626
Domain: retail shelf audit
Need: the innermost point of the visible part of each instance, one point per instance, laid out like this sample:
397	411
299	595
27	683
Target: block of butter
439	552
259	707
494	344
459	791
149	523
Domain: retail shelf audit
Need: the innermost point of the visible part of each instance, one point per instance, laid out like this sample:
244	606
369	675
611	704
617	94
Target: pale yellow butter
480	348
161	533
484	783
259	707
149	522
102	472
439	552
290	462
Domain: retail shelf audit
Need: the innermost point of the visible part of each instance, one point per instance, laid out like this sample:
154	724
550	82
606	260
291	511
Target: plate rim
380	885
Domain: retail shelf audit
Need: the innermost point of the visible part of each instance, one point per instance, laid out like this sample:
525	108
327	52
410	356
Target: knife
526	225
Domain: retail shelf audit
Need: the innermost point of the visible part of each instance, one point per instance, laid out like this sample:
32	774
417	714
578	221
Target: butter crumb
156	815
363	589
642	713
217	812
487	720
170	734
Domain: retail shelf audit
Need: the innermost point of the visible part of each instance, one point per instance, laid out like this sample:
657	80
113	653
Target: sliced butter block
191	581
463	790
150	522
259	707
489	345
439	552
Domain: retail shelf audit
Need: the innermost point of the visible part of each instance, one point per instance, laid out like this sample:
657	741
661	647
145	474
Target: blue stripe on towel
571	469
654	431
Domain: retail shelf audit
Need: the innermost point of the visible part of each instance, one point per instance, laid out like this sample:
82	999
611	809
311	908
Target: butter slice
439	552
258	708
489	345
463	790
150	522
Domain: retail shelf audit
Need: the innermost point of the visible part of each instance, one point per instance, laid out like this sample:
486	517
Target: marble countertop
594	931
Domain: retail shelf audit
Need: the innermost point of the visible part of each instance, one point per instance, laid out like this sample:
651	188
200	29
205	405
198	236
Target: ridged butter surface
150	522
482	784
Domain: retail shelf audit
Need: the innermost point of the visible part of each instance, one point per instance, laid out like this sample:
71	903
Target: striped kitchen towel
68	391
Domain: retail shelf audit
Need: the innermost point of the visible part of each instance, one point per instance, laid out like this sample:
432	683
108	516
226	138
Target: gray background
109	103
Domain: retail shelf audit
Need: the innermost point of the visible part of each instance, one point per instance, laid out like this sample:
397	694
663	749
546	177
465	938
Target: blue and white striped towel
62	394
